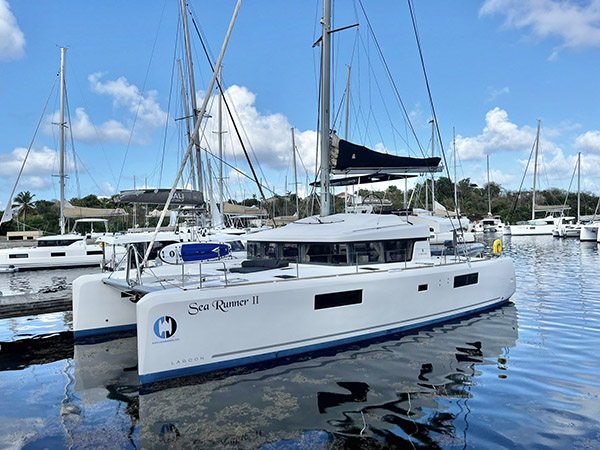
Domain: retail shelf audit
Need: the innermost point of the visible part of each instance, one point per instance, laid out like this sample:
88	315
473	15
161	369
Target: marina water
524	375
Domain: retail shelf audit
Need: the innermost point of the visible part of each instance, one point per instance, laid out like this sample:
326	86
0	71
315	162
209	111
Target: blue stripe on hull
102	331
177	373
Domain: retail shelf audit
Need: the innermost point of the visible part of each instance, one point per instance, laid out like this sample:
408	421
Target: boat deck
230	273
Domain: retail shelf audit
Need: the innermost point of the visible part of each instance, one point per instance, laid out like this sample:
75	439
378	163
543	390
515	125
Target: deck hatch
335	299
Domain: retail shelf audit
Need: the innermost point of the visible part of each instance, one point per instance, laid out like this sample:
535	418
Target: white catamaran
319	282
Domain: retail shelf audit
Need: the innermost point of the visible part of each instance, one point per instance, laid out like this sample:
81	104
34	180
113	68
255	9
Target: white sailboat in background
318	282
571	226
589	230
543	226
490	223
67	249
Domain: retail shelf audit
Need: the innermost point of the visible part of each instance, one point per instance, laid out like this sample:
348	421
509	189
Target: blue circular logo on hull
165	327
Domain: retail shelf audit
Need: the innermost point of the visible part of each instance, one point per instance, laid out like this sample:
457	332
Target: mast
325	92
537	145
190	64
489	191
432	122
295	173
455	179
220	142
186	114
346	134
62	125
195	132
578	186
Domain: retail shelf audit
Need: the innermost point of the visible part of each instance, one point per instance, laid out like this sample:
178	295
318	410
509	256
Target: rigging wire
389	73
521	185
73	145
260	188
137	111
162	161
437	127
10	200
83	99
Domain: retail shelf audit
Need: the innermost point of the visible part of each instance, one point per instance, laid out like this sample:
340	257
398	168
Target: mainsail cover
159	197
348	158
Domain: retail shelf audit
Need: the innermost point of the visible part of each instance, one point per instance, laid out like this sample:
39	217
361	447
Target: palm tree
25	199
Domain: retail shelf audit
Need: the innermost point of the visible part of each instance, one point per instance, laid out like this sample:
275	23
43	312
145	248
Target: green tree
25	200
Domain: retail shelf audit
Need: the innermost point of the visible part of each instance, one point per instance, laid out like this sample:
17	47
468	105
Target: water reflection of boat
390	391
385	391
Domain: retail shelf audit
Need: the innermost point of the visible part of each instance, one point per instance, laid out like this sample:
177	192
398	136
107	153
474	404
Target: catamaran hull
531	230
589	233
187	332
37	258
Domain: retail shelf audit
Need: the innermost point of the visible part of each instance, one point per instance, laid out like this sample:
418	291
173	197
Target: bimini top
343	228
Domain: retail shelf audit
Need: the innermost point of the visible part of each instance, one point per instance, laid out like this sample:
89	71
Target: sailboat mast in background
62	125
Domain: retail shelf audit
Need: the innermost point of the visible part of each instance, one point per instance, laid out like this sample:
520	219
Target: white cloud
589	141
144	108
109	188
498	177
41	162
499	134
574	23
35	182
267	137
557	169
12	39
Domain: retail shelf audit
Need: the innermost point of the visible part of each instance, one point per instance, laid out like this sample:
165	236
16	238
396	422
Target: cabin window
269	250
253	249
236	246
94	252
398	251
325	253
262	250
367	252
335	299
465	280
335	254
423	287
18	255
58	254
289	252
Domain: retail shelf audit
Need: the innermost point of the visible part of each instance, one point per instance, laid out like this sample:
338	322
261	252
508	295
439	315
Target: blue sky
495	67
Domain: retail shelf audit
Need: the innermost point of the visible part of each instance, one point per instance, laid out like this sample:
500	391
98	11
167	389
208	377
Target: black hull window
466	280
335	299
